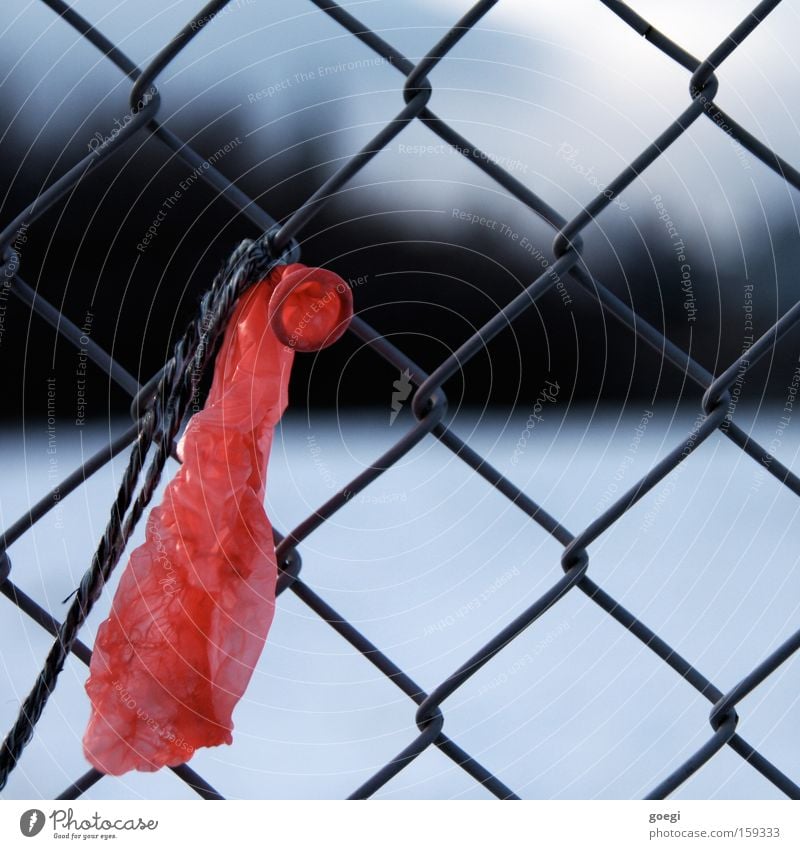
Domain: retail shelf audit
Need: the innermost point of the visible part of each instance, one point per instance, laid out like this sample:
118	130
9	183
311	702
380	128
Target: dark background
429	278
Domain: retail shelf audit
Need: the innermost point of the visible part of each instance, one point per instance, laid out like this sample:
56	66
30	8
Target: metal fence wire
157	413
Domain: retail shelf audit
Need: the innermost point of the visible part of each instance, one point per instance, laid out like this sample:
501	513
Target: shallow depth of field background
429	562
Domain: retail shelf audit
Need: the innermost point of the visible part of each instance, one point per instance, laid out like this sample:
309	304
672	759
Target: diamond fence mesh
157	416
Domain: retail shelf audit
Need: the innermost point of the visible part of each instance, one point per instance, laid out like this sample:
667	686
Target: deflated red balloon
193	607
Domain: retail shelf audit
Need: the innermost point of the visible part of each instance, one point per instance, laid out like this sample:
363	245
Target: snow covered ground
429	563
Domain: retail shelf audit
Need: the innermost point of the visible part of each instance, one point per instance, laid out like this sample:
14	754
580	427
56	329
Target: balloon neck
309	308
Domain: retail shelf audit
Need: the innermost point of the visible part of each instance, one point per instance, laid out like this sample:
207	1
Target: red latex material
193	607
310	308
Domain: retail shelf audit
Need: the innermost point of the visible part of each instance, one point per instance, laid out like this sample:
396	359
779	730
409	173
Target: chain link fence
429	400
